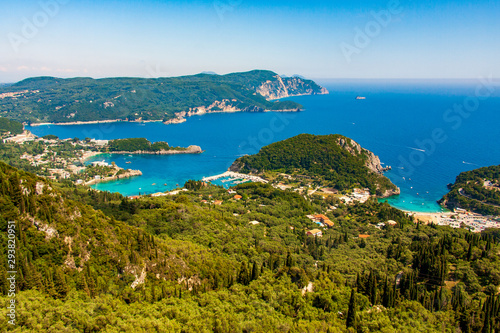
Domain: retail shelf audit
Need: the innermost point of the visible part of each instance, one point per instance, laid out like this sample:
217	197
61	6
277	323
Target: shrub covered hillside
334	159
477	190
193	262
136	144
10	126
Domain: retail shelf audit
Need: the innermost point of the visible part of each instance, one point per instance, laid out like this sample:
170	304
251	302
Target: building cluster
26	136
357	195
472	221
321	220
16	94
57	166
383	224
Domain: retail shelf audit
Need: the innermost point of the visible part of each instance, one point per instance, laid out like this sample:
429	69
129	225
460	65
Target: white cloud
22	68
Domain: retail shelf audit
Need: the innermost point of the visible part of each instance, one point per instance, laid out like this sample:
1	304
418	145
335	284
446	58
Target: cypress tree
469	252
351	312
243	274
153	294
255	272
387	297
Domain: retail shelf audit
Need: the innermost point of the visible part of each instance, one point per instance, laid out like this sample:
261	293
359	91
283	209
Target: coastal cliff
372	162
224	106
288	87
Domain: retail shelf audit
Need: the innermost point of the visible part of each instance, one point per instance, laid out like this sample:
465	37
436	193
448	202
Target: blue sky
317	39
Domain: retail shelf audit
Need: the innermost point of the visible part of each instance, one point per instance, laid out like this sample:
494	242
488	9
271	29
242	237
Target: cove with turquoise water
428	131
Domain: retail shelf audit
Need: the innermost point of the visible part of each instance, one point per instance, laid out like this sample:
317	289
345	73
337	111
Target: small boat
153	184
176	184
165	184
360	97
128	162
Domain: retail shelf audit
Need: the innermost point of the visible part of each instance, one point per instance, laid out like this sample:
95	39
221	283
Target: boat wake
422	150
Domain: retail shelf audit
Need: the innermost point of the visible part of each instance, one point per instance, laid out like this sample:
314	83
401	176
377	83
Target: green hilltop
332	160
476	190
50	99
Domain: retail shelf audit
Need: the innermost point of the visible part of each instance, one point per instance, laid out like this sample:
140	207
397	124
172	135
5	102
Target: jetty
235	175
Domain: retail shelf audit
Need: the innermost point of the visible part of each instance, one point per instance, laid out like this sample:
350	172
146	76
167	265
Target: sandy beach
428	218
88	154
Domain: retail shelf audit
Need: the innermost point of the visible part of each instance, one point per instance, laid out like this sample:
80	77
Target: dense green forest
49	99
12	126
136	144
206	268
470	191
336	160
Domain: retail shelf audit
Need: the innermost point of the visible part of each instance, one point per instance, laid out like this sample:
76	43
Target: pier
235	175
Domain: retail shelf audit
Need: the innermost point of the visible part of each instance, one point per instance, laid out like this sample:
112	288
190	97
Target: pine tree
82	285
60	285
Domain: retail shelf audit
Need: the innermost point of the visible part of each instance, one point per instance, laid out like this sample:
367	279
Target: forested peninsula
476	190
56	100
329	160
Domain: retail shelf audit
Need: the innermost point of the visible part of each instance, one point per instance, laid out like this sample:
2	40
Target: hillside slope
64	245
206	267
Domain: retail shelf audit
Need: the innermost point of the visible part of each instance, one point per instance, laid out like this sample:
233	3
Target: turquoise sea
428	131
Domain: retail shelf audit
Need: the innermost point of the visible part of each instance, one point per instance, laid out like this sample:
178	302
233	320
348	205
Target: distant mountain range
56	100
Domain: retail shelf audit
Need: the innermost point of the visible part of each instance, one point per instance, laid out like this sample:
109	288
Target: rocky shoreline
189	150
180	117
96	122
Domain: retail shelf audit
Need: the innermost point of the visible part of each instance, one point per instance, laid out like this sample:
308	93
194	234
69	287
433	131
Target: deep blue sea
428	131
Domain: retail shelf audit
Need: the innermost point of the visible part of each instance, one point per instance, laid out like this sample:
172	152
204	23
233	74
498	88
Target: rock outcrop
372	160
288	87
